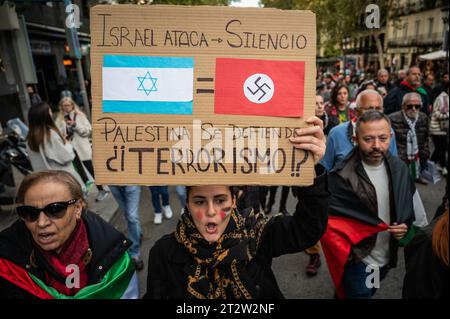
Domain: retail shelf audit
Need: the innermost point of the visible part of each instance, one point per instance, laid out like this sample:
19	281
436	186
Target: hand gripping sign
201	95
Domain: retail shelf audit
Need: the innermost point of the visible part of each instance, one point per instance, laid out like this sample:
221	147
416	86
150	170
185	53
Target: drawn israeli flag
147	84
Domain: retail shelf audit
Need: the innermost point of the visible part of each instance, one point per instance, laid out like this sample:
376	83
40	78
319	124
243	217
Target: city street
289	269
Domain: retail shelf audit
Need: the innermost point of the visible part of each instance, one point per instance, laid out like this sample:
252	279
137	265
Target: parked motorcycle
13	151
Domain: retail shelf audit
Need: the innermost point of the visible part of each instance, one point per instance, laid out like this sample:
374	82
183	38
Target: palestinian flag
119	282
353	209
341	234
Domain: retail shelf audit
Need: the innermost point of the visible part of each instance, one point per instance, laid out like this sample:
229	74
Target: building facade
416	27
41	33
413	28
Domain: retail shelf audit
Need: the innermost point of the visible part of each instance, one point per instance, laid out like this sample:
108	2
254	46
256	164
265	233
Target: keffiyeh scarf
412	147
218	270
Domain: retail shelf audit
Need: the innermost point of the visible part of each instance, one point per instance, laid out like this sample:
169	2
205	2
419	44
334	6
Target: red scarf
72	253
409	85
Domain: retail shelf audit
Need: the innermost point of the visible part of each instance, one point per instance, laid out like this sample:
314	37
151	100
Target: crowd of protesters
384	133
418	120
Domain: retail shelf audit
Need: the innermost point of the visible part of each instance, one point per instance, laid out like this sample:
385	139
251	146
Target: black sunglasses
53	210
411	106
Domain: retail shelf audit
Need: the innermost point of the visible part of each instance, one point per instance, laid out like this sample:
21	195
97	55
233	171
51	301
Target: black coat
426	276
107	245
388	86
329	121
169	261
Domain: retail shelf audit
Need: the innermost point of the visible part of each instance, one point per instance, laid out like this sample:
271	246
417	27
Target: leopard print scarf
218	270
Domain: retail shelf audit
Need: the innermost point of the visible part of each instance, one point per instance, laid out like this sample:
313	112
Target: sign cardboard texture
201	95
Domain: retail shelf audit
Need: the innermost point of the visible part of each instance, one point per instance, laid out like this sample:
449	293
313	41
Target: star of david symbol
152	83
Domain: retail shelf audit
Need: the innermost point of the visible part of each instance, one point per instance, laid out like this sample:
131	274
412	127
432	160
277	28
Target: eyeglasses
53	210
411	106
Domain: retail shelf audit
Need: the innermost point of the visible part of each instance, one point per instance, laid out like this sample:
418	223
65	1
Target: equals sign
205	90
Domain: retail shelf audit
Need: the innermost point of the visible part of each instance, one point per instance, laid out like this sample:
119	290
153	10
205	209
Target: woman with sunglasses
58	250
218	252
46	146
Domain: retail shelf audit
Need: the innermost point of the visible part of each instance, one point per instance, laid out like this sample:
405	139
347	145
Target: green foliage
331	51
336	19
181	2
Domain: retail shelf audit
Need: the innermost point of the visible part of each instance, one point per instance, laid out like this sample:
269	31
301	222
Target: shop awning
437	55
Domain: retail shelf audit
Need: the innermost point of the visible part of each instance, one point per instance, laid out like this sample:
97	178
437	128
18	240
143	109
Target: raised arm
289	234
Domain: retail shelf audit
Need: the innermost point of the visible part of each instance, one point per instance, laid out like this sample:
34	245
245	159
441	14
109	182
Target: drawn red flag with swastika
259	87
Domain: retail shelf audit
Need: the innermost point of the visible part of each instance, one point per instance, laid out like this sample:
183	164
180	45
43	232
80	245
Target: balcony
418	41
363	50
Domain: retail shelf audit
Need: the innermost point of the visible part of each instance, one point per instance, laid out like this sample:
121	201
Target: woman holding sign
218	252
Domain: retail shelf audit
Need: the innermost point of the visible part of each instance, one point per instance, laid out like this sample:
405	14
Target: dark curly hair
335	91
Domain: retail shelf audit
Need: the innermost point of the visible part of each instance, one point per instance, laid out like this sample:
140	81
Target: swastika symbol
259	88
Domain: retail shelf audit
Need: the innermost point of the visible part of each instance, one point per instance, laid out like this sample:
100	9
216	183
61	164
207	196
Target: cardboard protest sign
201	95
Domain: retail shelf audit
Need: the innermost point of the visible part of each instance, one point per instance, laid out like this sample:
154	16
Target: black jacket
354	196
107	245
169	260
426	276
388	86
329	121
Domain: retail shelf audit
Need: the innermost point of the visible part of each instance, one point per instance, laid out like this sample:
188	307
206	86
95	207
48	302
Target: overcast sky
246	3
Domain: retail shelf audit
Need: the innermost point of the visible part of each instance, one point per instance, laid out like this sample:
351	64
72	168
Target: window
417	28
430	26
405	30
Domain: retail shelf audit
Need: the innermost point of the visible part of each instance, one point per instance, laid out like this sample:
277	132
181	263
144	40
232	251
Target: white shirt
379	255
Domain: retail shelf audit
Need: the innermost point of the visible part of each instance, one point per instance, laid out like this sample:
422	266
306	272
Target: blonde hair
57	176
76	108
439	239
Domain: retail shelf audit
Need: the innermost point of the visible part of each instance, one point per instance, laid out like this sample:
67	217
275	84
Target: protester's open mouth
211	228
45	237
